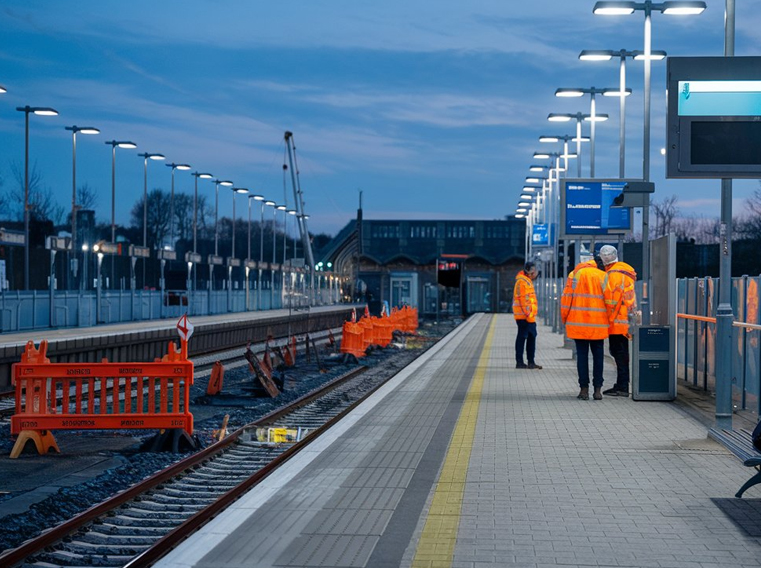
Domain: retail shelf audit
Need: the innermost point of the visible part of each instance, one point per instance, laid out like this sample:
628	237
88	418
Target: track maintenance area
462	460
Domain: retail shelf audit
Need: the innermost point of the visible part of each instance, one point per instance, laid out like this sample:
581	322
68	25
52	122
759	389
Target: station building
446	267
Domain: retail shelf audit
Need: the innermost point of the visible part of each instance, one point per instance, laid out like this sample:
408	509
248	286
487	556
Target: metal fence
697	301
21	311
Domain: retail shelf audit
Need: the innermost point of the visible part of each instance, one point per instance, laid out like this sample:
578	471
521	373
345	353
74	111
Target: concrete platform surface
464	461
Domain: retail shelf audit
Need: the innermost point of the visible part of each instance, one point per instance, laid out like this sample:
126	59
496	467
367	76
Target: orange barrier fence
369	330
94	396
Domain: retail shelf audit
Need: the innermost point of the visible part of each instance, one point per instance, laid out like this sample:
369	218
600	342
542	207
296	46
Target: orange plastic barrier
384	330
94	396
352	339
367	325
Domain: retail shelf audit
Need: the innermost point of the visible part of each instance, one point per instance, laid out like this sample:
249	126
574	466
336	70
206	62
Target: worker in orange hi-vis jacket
621	302
582	309
525	309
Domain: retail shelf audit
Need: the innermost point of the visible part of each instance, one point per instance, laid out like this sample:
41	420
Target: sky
430	110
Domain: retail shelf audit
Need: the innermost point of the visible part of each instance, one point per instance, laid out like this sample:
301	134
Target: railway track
139	525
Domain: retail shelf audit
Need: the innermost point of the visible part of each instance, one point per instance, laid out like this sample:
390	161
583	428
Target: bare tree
749	224
87	197
665	211
42	205
158	212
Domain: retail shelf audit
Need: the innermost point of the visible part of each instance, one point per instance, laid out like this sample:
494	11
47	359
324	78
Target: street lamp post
126	144
40	111
592	91
676	7
272	204
567	117
622	54
73	261
196	175
260	199
243	191
146	156
171	200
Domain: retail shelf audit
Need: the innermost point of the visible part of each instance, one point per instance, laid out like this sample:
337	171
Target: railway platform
462	460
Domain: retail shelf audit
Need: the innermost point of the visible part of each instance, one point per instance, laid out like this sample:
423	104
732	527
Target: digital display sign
540	234
586	207
714	117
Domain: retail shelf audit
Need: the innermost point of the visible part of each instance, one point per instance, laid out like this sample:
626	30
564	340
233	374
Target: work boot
583	393
620	392
611	391
521	366
534	366
597	394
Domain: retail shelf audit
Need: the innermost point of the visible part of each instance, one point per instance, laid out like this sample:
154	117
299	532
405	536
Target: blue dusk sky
432	109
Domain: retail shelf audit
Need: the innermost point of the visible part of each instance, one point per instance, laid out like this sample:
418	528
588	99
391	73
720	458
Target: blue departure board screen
587	207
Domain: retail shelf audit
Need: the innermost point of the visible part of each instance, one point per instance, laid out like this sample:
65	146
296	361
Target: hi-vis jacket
525	306
582	305
619	296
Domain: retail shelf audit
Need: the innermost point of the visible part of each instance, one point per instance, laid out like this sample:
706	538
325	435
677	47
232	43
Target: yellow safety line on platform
436	546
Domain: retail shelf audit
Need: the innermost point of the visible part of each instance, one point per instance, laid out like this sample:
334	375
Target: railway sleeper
212	481
151	514
117	541
158	506
181	491
107	528
207	477
176	499
136	518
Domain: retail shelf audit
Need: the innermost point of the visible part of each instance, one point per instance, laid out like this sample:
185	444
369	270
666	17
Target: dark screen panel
732	143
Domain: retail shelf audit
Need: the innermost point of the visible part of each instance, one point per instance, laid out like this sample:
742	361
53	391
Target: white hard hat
608	254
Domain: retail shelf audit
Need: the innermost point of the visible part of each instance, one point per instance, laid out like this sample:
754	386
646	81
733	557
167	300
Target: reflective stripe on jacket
525	306
582	305
620	298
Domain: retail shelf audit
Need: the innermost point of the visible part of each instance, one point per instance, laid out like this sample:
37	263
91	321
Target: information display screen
586	207
540	235
714	117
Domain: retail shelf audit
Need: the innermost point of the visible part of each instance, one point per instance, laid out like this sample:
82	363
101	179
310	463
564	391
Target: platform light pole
74	261
579	117
621	54
251	197
127	145
171	200
146	156
196	175
40	111
217	183
592	92
243	191
675	7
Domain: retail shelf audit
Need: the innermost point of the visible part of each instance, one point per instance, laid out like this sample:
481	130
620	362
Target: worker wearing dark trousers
525	309
620	303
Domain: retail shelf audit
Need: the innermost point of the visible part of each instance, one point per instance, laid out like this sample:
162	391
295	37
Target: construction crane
300	214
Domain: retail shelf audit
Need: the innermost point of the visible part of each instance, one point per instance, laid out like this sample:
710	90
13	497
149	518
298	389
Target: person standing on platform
525	309
621	302
582	309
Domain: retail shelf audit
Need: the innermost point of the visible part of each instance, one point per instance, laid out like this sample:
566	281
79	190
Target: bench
740	443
